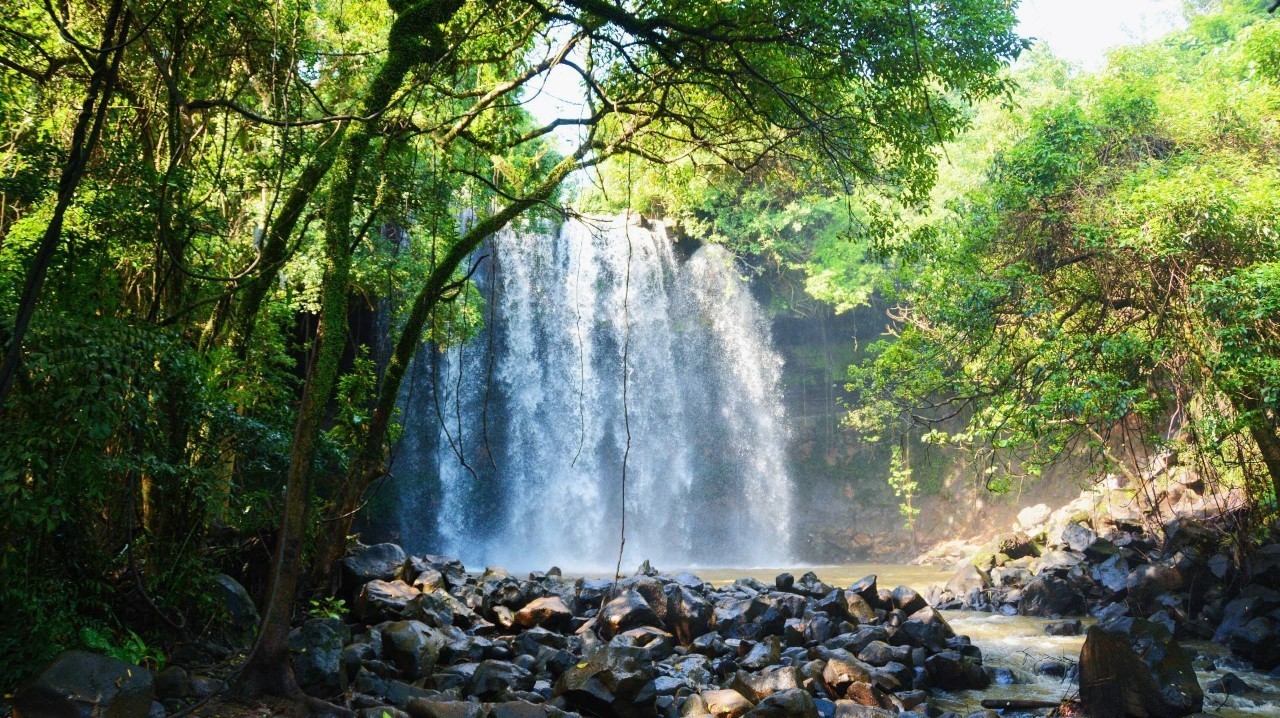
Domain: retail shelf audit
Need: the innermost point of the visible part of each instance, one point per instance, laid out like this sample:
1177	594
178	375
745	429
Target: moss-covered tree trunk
415	39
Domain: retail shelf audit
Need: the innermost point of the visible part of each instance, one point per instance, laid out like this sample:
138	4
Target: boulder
907	600
1065	628
749	619
1031	518
1048	595
241	611
761	685
950	670
367	563
493	679
726	703
853	709
790	703
1257	641
629	610
968	577
412	646
925	628
688	615
380	600
1014	545
1133	667
1078	537
1112	574
78	684
548	611
317	656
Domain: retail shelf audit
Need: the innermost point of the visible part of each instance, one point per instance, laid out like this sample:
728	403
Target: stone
627	611
1057	560
493	679
548	611
968	577
907	600
1078	537
1032	518
1133	667
749	619
784	582
842	670
172	682
688	615
380	600
428	708
368	563
1014	545
1112	574
1228	683
925	628
1257	641
1048	595
726	703
761	685
79	684
412	646
240	608
317	657
790	703
853	709
1065	628
950	670
876	653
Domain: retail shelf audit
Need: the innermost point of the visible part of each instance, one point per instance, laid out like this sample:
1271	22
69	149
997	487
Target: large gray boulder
317	657
79	684
1131	667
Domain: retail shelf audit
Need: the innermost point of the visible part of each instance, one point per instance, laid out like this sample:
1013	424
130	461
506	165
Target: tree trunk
83	139
1264	435
415	38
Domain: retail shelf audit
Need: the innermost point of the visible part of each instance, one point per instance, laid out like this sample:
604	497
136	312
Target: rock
1147	581
1133	667
726	703
688	615
368	563
1064	628
865	587
749	619
240	608
925	628
1228	683
1078	537
1031	518
1014	545
380	600
1048	595
382	712
1257	641
1186	532
907	600
428	708
784	582
1112	574
968	577
436	609
758	686
949	670
1055	560
413	646
1252	602
625	612
317	657
172	682
852	709
78	684
548	611
493	679
790	703
842	670
1051	667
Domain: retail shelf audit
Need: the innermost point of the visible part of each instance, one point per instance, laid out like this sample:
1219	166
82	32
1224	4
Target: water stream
516	441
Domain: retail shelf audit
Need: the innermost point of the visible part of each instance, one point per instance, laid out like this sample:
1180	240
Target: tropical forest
672	358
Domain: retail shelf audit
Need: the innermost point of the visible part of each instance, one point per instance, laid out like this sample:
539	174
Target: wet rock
317	657
1051	667
784	582
78	684
749	619
949	670
1131	666
1064	628
1257	641
548	611
1048	595
689	614
436	609
1228	683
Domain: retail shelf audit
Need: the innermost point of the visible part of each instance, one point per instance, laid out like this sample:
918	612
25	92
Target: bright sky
1081	31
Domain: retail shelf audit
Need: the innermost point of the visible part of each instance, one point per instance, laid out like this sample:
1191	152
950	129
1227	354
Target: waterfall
513	443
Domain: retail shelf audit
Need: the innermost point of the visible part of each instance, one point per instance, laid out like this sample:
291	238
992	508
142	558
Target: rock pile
428	639
1074	563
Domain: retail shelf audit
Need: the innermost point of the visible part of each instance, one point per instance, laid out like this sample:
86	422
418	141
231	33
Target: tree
1115	270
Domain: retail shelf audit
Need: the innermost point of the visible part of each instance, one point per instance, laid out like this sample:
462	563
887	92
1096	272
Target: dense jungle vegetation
203	207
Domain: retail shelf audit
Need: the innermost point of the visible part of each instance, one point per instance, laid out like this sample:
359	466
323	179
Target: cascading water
515	442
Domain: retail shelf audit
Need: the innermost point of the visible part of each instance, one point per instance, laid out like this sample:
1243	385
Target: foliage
904	487
1114	272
